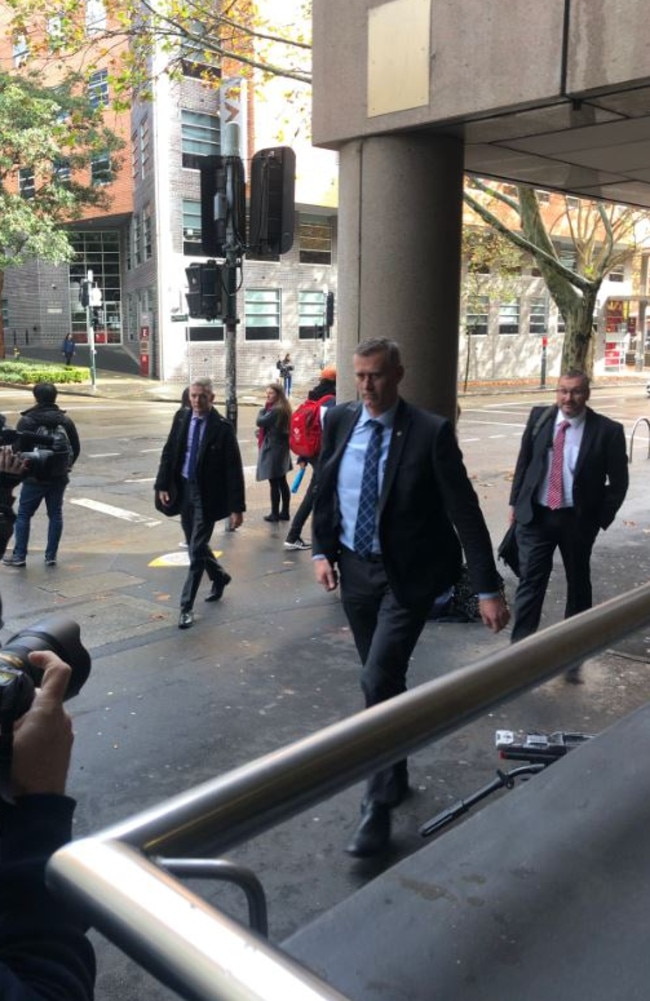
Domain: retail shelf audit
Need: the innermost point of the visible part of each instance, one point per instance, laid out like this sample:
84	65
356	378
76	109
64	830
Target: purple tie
555	491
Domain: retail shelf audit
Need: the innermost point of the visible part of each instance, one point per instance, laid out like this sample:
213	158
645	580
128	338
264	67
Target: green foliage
23	372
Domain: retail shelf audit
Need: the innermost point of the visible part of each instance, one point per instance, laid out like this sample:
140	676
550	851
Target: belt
370	558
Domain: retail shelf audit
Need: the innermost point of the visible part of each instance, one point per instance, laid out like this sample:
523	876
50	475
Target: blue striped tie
364	530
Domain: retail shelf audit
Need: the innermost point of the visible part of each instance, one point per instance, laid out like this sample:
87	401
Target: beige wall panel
512	48
609	43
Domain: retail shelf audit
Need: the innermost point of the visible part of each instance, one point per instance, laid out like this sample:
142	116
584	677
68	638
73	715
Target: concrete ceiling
597	147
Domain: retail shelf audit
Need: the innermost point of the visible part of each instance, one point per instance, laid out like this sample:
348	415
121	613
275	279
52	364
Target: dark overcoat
427	506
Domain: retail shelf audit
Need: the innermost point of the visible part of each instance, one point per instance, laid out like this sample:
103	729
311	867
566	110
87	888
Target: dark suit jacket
601	475
426	498
219	471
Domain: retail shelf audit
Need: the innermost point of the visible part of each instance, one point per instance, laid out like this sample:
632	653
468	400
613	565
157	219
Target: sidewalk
111	385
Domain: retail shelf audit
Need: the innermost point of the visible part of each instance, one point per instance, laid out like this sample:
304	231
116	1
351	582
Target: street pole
90	330
232	258
542	379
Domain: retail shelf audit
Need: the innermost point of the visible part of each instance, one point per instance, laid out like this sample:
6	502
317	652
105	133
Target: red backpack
305	431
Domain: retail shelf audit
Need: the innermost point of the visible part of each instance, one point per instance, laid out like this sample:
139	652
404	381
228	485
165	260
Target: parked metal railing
192	947
641	420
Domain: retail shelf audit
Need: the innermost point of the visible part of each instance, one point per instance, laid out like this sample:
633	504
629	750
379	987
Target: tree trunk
577	350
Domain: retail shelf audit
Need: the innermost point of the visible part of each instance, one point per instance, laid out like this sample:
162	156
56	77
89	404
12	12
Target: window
567	257
145	146
543	197
136	240
95	17
26	182
62	170
262	314
54	30
146	233
315	239
20	50
210	332
311	315
136	159
197	59
561	324
192	227
98	251
617	274
476	315
509	318
538	315
200	136
101	171
571	202
98	89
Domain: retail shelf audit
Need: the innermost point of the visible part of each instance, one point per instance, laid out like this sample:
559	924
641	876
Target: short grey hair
204	382
380	345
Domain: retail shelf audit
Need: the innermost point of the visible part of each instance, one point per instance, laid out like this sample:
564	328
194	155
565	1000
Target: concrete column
400	219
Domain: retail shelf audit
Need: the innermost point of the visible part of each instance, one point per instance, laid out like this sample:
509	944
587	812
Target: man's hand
165	498
326	574
511	514
494	613
236	519
43	736
10	462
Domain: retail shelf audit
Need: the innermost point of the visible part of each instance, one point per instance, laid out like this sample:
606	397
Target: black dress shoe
373	833
271	517
574	676
218	587
186	619
285	516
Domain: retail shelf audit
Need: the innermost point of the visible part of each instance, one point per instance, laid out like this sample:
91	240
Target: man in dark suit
570	479
201	476
394	563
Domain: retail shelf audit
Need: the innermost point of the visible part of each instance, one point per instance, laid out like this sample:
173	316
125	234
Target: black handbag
508	551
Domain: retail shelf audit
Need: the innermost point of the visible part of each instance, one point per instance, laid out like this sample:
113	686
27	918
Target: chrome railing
637	424
192	947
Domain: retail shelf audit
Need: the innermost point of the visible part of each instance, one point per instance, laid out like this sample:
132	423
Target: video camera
19	678
47	454
537	747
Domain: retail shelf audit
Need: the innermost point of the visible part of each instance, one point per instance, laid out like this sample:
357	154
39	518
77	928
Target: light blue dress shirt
351	472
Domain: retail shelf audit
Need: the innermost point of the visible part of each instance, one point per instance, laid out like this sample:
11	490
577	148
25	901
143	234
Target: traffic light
223	201
84	292
205	291
272	202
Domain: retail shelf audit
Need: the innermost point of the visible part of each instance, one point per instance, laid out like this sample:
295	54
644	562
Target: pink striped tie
555	491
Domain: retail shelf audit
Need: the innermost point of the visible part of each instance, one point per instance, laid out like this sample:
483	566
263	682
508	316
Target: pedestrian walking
285	368
325	393
68	348
48	481
273	459
202	477
393	504
570	479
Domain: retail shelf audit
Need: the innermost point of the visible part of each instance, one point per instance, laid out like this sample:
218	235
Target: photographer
46	417
44	953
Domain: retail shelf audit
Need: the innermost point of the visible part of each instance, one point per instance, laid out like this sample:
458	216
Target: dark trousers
280	496
385	634
537	543
198	532
303	512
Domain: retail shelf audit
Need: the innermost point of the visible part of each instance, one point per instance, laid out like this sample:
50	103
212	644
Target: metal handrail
195	949
640	420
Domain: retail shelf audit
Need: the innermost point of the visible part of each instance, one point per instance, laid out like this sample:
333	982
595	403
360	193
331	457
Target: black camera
47	453
19	678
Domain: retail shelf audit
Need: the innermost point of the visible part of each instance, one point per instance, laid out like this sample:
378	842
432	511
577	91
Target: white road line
103	455
143	479
115	512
